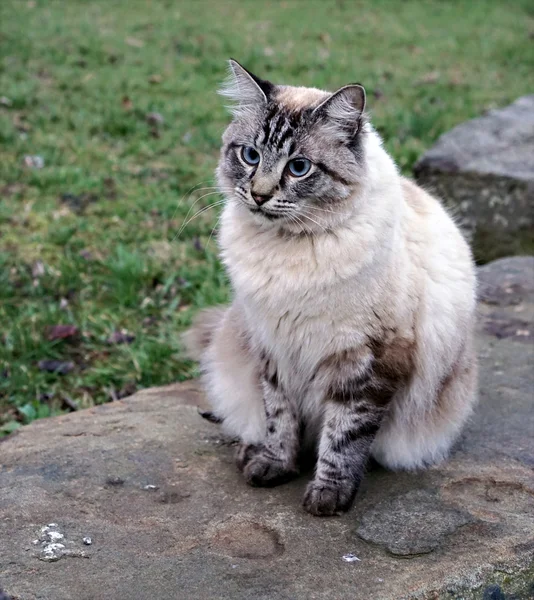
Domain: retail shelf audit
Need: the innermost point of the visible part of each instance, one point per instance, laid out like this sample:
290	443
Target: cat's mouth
265	213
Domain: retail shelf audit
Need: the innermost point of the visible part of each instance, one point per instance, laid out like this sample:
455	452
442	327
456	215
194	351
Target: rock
493	592
502	283
460	530
484	170
411	523
506	281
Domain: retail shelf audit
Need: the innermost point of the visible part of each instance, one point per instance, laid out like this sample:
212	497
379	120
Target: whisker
199	212
213	188
186	218
211	234
292	219
313	221
334	212
305	228
214	191
188	193
204	209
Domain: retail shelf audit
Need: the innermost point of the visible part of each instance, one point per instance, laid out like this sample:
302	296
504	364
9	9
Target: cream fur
396	251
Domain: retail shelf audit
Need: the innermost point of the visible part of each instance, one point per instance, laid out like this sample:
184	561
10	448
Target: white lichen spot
350	558
52	552
53	544
54	536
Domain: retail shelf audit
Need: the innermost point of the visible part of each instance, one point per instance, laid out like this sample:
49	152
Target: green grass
91	239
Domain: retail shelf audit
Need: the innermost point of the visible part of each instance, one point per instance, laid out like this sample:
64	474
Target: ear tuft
345	108
244	88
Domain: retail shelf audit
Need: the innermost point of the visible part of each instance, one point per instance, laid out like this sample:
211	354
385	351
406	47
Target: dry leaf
56	366
85	254
61	332
127	104
154	118
120	337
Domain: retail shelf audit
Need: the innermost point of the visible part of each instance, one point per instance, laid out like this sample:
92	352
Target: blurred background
109	134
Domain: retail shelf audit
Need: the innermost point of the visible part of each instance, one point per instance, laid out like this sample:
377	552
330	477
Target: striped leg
348	432
275	461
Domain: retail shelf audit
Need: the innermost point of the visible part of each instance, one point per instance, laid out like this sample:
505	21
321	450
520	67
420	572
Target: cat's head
293	156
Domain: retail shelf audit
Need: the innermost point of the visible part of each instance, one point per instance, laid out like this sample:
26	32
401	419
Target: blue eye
250	155
298	167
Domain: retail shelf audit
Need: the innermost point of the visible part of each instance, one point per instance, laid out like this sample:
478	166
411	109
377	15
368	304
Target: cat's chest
278	277
298	330
299	297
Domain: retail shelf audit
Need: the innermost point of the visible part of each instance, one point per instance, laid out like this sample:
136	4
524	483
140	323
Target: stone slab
484	171
154	488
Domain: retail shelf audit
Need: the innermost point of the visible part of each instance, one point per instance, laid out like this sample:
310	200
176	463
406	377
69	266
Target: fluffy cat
350	329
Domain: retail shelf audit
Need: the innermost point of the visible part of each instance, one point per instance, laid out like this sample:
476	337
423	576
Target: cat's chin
265	219
269	216
277	222
290	224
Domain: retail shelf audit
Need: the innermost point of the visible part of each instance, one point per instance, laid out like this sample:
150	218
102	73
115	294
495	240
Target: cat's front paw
324	500
265	471
245	453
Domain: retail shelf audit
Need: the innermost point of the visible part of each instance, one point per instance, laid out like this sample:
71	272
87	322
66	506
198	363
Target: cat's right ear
245	89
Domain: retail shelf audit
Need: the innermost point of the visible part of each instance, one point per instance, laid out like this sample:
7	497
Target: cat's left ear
244	88
345	108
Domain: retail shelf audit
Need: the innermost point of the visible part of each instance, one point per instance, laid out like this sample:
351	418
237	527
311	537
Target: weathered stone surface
484	170
154	487
411	523
507	281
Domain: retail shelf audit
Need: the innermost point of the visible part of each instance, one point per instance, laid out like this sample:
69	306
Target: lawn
109	134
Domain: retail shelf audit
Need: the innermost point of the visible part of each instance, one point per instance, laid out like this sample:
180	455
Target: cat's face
292	156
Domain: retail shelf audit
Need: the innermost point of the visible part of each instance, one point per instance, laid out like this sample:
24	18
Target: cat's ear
345	108
244	88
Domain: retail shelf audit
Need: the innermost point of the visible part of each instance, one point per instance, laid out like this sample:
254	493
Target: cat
350	332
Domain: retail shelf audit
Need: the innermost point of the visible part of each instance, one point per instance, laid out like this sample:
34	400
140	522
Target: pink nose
261	199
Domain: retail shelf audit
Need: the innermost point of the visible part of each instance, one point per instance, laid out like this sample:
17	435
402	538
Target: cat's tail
198	337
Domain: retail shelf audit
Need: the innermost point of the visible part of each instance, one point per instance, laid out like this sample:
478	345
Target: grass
92	239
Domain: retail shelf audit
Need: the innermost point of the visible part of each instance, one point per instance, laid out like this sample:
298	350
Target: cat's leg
359	385
347	435
275	461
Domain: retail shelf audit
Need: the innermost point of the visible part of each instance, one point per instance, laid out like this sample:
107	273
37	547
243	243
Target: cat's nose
261	199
